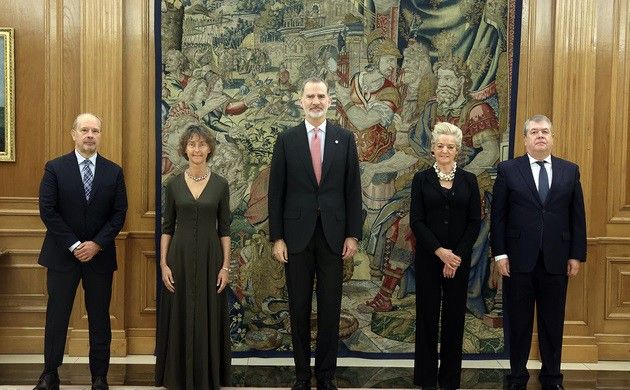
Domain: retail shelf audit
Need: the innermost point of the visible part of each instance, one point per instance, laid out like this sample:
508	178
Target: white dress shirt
533	163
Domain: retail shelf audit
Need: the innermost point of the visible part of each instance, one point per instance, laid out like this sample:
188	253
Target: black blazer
451	221
522	225
70	218
295	198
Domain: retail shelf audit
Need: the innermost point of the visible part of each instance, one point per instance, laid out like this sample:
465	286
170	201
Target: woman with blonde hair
445	218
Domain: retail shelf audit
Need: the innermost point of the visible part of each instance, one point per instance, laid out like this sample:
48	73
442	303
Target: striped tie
88	178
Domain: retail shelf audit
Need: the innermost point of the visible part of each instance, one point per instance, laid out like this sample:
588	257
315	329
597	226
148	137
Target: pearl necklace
445	176
197	178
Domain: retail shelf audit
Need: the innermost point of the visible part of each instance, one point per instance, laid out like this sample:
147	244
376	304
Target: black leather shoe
326	385
552	387
99	383
48	382
301	385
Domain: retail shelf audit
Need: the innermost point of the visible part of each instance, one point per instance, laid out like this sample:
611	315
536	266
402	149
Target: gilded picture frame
7	99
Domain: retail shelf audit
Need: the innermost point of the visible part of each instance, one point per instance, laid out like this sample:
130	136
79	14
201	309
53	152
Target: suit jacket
522	225
295	199
450	220
70	218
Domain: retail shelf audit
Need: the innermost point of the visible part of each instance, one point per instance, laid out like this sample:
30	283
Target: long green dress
192	341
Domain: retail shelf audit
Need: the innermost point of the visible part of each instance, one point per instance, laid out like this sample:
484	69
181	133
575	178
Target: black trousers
548	292
317	259
62	287
432	289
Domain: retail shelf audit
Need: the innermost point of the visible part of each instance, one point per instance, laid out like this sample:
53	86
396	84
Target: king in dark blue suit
315	223
539	240
83	203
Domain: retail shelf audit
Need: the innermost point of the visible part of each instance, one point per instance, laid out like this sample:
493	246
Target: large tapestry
394	68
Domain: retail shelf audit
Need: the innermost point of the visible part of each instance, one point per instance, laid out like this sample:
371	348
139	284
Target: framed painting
7	107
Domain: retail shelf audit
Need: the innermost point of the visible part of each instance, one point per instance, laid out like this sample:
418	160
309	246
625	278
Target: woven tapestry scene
393	68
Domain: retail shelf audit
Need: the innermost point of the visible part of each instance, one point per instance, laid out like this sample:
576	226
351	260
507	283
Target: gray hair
445	128
537	118
314	80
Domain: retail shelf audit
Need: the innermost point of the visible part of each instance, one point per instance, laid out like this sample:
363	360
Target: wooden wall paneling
101	93
139	114
19	213
535	92
618	178
101	70
573	111
62	84
22	301
597	215
612	312
139	152
141	293
27	19
54	84
611	180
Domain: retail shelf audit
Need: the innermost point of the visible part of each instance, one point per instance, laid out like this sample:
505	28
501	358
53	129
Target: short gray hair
537	118
445	128
314	80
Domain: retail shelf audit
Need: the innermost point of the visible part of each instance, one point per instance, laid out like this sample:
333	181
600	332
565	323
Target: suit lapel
301	141
457	181
526	171
331	144
75	174
557	176
433	179
98	176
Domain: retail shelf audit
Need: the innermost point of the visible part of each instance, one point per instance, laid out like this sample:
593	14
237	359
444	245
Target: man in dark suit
539	240
314	223
83	203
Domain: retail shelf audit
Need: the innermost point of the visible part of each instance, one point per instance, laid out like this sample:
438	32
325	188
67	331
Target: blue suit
69	218
539	238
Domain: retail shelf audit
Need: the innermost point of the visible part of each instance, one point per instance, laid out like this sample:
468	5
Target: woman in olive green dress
193	345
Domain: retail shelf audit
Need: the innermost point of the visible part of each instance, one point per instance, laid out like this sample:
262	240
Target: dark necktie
543	181
88	178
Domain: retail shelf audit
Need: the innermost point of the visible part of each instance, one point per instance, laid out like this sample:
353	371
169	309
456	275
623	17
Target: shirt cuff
500	257
74	246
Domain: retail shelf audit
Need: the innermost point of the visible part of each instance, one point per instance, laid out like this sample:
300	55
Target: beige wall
74	56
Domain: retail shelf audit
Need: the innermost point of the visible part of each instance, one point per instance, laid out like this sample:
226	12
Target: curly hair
380	47
203	133
458	66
